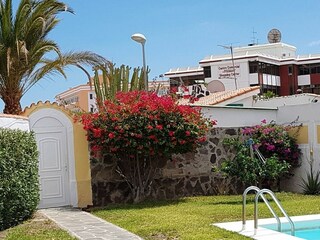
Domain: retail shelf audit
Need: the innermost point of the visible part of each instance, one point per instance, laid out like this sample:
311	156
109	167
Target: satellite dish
274	36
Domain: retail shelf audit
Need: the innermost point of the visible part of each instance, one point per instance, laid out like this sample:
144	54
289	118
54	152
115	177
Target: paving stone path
86	226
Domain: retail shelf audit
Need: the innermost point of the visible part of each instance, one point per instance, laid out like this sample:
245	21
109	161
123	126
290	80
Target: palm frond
24	45
58	65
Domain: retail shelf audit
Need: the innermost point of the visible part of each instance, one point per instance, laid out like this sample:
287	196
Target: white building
273	66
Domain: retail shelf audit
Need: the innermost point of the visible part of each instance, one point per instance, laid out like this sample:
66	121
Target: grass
38	228
183	219
190	218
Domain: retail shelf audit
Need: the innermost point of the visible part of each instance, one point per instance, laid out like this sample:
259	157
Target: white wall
14	122
242	74
239	116
297	99
279	50
308	115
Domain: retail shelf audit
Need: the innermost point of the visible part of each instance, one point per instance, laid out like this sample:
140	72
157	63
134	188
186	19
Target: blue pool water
309	230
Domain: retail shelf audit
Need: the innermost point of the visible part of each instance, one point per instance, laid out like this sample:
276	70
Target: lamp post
140	38
232	59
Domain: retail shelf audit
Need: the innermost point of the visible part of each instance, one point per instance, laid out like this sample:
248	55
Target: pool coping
264	233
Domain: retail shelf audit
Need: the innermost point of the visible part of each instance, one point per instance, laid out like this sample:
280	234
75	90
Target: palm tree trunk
12	104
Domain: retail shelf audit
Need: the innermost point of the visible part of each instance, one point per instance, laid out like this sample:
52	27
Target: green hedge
19	187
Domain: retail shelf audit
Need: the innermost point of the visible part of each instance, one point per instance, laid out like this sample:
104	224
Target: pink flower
270	147
264	121
267	130
171	133
288	150
188	133
247	131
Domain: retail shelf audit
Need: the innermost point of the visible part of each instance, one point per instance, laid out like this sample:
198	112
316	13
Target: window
71	100
207	72
253	67
268	68
304	70
91	96
309	69
290	70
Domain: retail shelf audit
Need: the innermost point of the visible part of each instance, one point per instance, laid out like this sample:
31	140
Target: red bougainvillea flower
140	123
96	132
214	122
114	149
95	148
138	135
111	135
202	139
159	127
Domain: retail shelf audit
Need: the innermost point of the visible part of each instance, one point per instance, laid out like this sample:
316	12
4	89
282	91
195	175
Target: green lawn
38	228
184	219
190	218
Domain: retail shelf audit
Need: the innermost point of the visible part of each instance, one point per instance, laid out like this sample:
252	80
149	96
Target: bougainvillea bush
274	140
279	149
140	130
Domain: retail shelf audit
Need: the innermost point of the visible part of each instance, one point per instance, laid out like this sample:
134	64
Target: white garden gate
54	135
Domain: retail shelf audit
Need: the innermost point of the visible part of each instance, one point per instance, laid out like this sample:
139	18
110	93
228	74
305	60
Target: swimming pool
307	228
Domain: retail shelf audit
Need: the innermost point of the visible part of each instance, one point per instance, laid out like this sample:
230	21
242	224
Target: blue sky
179	32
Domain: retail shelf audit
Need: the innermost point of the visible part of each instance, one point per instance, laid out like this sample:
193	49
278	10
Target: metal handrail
244	202
260	193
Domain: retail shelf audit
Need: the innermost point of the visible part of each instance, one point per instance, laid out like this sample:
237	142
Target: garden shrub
277	146
311	184
19	188
273	139
141	130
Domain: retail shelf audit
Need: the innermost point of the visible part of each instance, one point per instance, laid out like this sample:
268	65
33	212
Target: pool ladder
259	193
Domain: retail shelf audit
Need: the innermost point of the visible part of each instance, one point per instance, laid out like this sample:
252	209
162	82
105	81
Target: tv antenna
230	47
253	38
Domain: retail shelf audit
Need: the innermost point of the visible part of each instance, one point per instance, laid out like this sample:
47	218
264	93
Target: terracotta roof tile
218	97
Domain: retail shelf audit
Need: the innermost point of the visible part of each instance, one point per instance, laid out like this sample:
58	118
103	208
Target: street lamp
232	59
140	38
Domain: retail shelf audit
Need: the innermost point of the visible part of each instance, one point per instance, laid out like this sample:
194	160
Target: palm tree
24	46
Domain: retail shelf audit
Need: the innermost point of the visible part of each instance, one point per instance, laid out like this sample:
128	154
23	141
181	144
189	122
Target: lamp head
138	37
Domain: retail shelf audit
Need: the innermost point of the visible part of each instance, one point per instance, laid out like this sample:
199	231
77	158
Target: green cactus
109	80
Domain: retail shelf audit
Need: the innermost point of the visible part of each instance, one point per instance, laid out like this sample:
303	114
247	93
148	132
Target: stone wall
185	175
